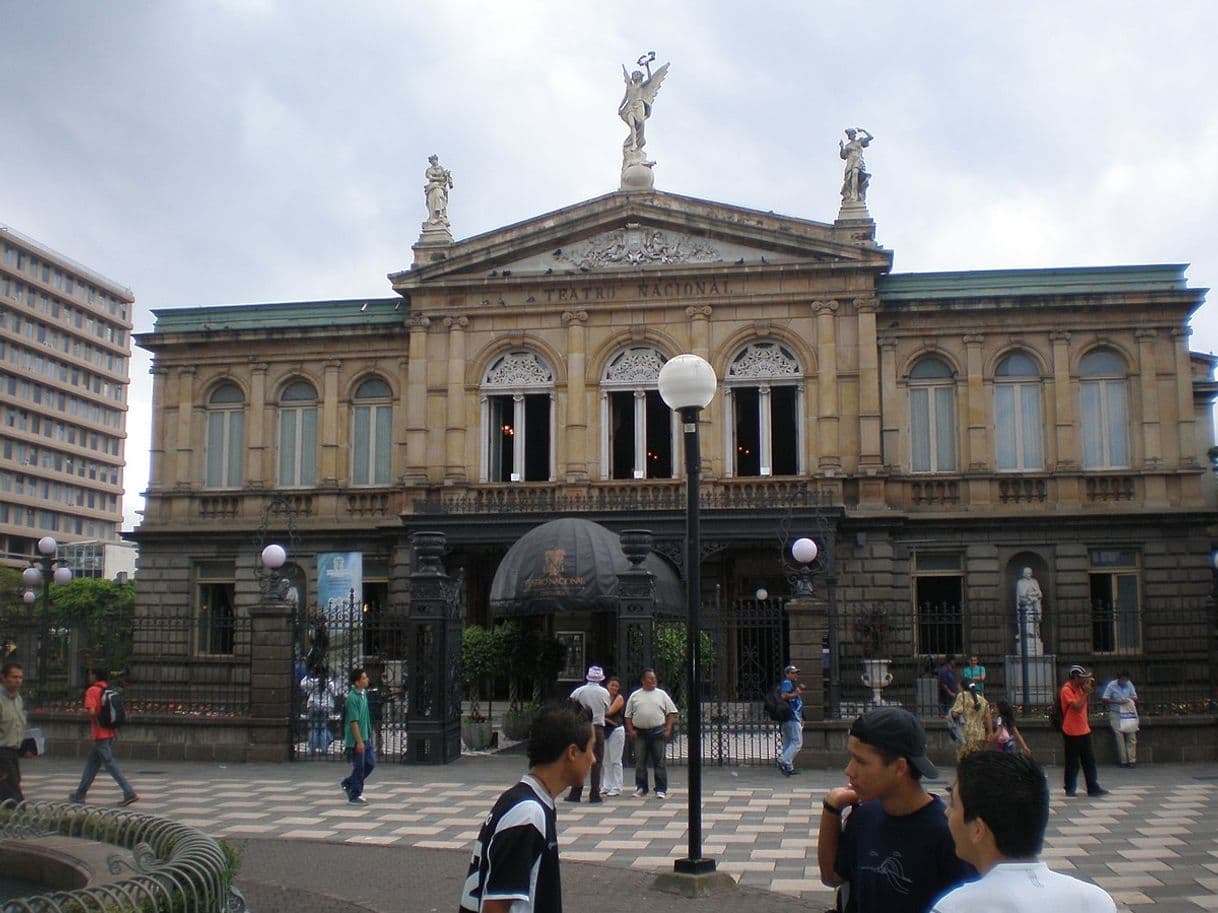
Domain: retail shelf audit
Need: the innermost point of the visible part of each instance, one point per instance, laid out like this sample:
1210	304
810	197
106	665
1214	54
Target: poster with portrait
339	575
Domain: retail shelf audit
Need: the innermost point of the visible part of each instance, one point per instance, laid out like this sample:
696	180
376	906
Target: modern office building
65	355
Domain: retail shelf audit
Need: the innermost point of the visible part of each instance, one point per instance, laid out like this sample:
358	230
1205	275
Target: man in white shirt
998	813
650	714
593	697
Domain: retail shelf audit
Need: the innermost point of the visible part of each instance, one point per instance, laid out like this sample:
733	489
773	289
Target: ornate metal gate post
433	665
636	609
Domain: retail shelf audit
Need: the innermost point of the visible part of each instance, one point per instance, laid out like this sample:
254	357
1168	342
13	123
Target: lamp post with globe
687	385
34	577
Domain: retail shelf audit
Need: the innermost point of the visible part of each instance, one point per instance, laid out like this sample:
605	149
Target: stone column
1185	408
978	439
271	669
714	419
255	458
1148	385
826	378
870	453
807	625
1063	402
415	396
156	454
186	377
454	422
576	431
895	415
328	474
636	608
699	329
433	651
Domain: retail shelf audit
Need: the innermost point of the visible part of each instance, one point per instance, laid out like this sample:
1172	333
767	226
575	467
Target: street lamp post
33	577
687	385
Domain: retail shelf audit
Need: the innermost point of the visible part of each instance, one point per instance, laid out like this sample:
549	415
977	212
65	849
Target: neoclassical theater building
935	433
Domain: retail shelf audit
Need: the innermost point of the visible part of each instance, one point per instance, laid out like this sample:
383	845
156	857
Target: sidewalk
1151	843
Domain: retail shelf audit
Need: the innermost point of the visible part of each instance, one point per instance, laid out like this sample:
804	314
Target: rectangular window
1105	421
1116	614
216	616
370	451
225	443
938	603
932	420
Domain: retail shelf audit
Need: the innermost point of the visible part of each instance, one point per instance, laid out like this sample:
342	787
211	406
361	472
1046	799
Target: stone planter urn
876	677
516	723
476	734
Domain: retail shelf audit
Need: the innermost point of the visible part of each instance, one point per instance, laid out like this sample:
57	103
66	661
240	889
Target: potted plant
871	632
532	660
479	659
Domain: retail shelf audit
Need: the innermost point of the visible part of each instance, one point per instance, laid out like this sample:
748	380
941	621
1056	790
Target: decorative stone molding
887	342
1145	334
973	339
699	310
638	245
1181	332
519	369
418	322
763	360
824	307
867	305
456	323
1060	336
569	317
640	365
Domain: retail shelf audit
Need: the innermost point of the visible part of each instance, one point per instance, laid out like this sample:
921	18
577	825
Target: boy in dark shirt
893	849
515	861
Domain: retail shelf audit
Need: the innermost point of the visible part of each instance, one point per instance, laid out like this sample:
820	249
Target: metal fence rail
175	867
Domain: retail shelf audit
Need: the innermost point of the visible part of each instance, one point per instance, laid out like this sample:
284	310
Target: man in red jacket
101	754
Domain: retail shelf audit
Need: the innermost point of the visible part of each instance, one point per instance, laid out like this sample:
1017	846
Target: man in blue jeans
792	729
102	753
357	736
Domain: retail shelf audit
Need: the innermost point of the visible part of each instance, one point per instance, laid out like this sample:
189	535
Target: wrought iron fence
1169	649
174	867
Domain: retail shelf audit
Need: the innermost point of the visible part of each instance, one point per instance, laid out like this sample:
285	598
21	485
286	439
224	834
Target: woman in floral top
972	711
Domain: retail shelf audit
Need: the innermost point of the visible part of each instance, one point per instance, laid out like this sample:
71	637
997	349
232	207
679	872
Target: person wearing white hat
595	699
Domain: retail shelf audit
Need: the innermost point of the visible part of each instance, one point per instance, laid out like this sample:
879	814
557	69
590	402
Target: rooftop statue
635	108
854	183
439	180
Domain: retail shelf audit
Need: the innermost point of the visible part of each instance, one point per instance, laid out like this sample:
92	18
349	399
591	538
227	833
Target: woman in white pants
615	739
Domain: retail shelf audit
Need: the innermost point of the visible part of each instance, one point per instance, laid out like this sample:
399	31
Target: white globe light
31	576
687	382
47	545
273	556
63	574
804	551
28	596
762	594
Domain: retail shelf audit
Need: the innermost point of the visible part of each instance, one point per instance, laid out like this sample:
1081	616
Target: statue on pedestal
439	181
1028	608
634	111
856	179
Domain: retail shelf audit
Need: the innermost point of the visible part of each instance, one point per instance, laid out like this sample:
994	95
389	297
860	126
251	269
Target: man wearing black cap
1075	696
894	848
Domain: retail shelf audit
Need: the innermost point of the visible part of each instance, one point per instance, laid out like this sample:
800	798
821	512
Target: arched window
225	437
932	416
518	419
637	429
1018	427
764	390
298	435
1105	410
372	433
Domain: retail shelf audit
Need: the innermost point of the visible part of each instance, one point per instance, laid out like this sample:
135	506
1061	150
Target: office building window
1105	410
932	416
298	435
225	437
372	433
764	392
1018	426
637	430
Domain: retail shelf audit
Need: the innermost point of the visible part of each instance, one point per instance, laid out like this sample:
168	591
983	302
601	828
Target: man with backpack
792	728
105	709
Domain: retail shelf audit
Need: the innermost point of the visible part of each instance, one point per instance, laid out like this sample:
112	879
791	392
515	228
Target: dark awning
572	564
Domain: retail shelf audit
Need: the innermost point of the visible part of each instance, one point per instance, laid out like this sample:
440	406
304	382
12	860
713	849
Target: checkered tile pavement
1152	843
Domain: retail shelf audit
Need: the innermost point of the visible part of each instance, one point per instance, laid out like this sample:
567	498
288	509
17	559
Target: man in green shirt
357	736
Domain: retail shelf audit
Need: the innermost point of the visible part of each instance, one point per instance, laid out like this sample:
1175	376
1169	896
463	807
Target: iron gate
327	647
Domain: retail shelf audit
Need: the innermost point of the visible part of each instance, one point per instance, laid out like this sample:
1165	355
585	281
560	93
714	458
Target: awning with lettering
573	564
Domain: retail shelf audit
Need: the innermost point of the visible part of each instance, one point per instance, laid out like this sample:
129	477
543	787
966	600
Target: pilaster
329	424
415	396
454	425
576	430
826	379
186	377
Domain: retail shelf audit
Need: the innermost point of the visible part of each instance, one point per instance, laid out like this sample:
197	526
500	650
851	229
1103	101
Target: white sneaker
660	794
640	793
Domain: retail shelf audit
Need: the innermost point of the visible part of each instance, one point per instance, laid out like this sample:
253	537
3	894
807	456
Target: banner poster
338	574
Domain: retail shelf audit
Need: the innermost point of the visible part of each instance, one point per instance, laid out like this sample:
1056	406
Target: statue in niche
635	108
856	179
1028	607
439	181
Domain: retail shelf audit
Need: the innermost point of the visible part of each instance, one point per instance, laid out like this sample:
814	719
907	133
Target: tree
103	611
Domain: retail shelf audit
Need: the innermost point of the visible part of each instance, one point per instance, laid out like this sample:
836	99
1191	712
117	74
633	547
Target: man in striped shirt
514	868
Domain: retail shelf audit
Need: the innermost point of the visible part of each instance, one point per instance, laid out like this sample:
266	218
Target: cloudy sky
270	150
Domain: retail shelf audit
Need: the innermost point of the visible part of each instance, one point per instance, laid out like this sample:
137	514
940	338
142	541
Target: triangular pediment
629	232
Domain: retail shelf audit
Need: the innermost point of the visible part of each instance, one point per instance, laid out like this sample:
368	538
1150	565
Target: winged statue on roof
641	91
